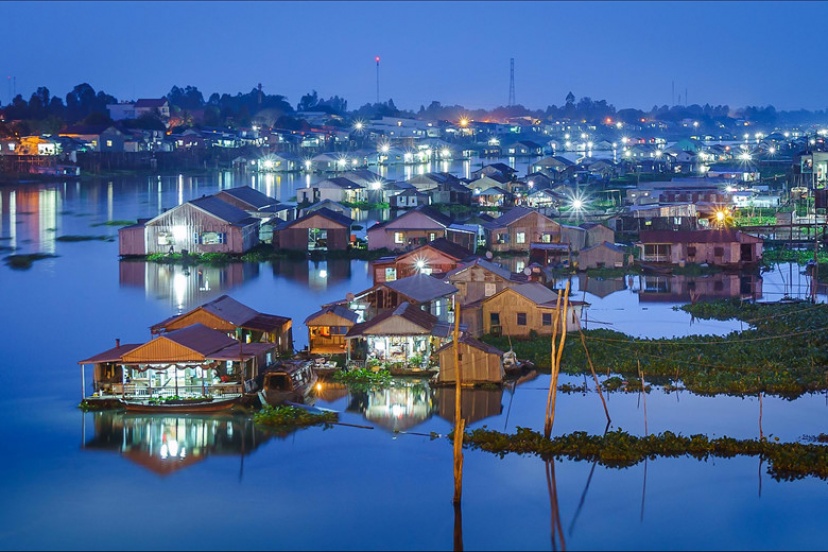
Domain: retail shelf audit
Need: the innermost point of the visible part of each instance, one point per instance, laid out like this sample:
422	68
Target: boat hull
216	405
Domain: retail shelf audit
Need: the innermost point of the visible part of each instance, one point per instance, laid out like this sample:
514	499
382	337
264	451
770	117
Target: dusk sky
631	54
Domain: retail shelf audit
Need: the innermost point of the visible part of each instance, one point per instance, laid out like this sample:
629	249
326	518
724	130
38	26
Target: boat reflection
165	444
185	286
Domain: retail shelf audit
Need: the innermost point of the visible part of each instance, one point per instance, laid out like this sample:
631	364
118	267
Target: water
102	480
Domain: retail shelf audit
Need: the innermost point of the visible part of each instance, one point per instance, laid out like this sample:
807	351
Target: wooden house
436	257
519	310
486	181
421	290
97	138
321	230
518	227
601	255
475	281
253	201
191	361
500	169
550	254
478	362
409	199
398	335
724	247
411	229
237	320
204	225
597	233
494	196
327	328
337	189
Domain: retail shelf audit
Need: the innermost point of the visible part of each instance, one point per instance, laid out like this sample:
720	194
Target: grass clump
287	418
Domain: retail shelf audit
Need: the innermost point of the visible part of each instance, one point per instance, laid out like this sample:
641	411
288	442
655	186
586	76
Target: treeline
44	113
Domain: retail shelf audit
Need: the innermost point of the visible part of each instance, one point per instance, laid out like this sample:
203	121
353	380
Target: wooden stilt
459	422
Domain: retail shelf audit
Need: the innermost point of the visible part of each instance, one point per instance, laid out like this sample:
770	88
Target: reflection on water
687	289
316	275
165	444
185	286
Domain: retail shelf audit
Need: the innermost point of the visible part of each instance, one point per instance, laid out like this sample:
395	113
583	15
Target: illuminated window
165	239
432	236
520	237
390	274
109	143
211	238
399	237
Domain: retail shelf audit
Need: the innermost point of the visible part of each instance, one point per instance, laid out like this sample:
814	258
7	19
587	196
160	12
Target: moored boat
288	381
183	406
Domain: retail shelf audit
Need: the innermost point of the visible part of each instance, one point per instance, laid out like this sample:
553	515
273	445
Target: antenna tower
511	81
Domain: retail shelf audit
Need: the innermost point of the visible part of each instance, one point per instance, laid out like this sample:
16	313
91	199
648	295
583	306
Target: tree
570	99
308	102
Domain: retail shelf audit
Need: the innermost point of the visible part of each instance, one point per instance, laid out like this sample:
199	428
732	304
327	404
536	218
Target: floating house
320	230
236	320
478	361
519	310
327	329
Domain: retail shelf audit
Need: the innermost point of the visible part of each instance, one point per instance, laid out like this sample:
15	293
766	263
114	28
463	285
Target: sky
631	54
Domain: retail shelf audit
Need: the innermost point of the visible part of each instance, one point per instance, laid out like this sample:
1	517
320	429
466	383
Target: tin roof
227	308
406	312
421	287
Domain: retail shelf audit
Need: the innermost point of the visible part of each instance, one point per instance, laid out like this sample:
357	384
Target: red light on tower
377	60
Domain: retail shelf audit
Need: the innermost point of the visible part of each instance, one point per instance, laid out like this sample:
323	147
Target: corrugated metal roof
337	310
245	351
251	196
227	308
421	287
406	311
725	235
111	355
223	210
200	338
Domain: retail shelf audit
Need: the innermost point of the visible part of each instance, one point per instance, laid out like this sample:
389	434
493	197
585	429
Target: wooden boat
183	406
288	381
655	269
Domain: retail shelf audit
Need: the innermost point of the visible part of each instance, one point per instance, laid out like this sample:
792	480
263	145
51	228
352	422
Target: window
519	266
165	239
212	238
399	237
691	251
494	318
546	238
520	237
503	238
521	319
547	319
718	251
432	236
109	143
390	274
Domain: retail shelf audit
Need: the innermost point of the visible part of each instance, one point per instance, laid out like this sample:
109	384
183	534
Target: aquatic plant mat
781	352
288	418
618	449
23	262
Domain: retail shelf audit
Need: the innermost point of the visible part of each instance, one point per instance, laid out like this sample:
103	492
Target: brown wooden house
204	225
517	228
519	310
320	230
436	257
479	362
237	320
327	328
722	247
191	361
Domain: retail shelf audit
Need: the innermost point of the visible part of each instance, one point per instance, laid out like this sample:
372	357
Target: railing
144	390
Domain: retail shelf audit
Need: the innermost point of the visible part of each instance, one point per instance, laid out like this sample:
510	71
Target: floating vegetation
71	238
363	379
114	223
783	353
619	449
23	262
287	418
99	405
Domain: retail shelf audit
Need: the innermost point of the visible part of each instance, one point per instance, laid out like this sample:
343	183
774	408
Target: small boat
656	269
325	369
288	381
184	406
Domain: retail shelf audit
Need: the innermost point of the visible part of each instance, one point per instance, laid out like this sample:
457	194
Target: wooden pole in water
547	424
554	385
459	423
594	375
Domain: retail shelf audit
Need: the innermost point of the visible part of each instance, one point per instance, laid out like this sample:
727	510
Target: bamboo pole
557	353
594	375
643	396
547	427
459	422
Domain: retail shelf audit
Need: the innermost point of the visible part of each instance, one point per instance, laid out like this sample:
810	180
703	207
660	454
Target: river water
380	481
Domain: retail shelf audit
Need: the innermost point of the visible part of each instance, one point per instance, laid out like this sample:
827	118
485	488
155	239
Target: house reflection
165	444
477	403
399	406
29	218
689	289
317	275
600	287
185	286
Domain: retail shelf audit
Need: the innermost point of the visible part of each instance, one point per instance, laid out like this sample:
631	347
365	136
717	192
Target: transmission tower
511	81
